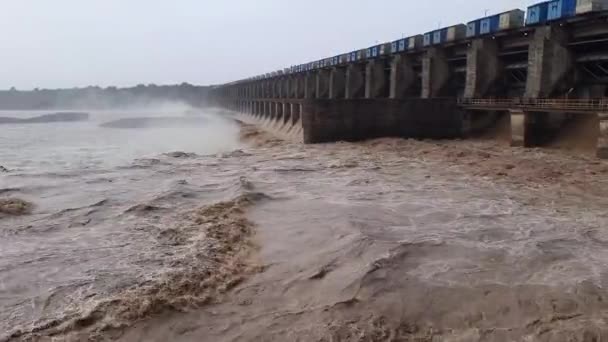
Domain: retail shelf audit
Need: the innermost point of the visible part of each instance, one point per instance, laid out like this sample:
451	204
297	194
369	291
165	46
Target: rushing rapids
385	240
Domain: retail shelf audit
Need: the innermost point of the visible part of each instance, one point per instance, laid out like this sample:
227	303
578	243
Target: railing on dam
534	104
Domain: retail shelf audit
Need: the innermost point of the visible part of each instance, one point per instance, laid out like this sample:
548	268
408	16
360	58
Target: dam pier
540	78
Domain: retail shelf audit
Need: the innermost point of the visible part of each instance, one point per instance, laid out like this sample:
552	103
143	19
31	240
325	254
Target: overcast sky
67	43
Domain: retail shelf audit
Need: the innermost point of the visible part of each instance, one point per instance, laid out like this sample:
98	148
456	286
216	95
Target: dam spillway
542	70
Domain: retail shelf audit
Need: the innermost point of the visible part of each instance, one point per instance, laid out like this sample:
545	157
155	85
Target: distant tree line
103	98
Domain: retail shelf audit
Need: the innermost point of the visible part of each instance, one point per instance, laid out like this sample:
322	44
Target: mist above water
55	147
87	184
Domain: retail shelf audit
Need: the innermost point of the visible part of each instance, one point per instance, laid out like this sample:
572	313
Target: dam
540	71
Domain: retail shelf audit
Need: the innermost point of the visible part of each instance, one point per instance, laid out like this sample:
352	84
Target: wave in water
209	248
47	118
155	122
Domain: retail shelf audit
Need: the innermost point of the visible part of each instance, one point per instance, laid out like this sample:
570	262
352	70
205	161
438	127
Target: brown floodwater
386	240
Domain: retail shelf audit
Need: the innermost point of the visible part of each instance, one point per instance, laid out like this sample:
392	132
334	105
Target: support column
299	86
275	110
337	85
263	94
375	79
402	76
550	63
292	86
278	87
435	73
310	85
518	128
550	71
483	67
322	83
287	110
602	140
279	109
355	82
295	113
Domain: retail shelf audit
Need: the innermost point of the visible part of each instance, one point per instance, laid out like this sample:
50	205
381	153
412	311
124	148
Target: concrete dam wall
318	121
543	78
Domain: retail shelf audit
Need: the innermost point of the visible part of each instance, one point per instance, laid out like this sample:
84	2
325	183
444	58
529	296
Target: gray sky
66	43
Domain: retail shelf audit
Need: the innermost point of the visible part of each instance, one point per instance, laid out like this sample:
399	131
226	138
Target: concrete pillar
279	87
310	85
375	79
279	109
262	90
273	110
549	62
300	87
286	118
355	82
402	76
287	109
295	112
602	140
518	128
337	83
483	67
435	72
275	88
286	87
322	83
291	86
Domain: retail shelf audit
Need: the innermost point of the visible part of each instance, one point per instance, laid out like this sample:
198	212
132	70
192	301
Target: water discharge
386	240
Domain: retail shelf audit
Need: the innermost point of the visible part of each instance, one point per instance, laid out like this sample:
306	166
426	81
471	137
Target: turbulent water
388	240
105	201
